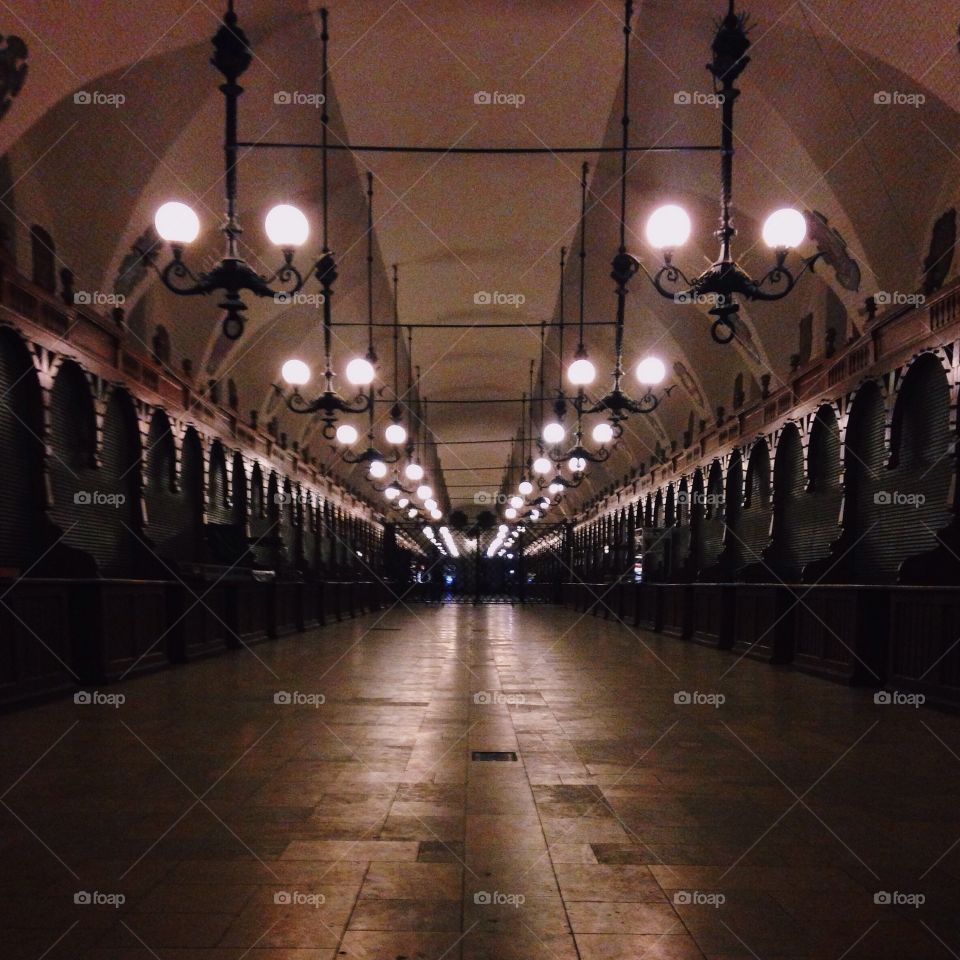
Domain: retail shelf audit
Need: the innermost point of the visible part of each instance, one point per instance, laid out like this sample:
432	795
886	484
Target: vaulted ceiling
809	133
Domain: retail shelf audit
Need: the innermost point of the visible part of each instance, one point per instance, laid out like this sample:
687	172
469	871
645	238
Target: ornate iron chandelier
347	435
651	370
360	371
286	225
669	227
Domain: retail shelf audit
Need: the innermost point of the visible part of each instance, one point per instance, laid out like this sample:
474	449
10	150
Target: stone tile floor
205	821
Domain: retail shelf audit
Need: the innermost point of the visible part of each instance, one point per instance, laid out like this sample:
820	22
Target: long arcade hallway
320	797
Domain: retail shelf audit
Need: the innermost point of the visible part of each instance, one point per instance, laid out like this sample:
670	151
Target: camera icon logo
482	299
882	498
82	898
283	299
283	697
682	697
482	98
682	898
83	498
83	97
883	697
482	898
882	898
482	697
82	697
82	298
282	898
282	98
883	98
682	99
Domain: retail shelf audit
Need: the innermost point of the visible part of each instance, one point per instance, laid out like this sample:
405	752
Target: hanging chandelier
286	226
360	371
347	434
650	371
669	227
581	372
554	432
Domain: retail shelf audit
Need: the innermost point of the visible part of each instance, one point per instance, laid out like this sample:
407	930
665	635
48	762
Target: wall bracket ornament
13	70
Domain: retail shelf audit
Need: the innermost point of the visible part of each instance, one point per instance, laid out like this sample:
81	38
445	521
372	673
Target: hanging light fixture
578	456
360	370
616	403
581	372
375	461
414	469
286	226
554	432
395	432
669	227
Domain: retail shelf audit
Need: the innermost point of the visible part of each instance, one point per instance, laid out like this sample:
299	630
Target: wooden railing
896	637
59	635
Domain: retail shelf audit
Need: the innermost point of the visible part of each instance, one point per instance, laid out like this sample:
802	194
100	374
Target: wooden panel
288	615
133	626
827	627
710	618
924	651
35	650
758	621
252	610
675	605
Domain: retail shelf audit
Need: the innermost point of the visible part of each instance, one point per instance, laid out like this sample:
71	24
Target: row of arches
860	489
95	482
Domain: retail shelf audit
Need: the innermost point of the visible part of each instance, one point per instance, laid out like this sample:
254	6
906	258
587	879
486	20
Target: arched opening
922	471
125	551
218	506
310	538
260	523
74	478
239	491
713	521
864	515
191	485
819	520
289	522
22	451
167	516
753	531
731	557
786	551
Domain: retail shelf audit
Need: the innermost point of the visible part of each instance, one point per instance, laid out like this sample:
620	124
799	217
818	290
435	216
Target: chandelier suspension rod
583	248
540	399
625	123
475	151
371	354
396	333
625	149
325	252
460	443
472	326
560	324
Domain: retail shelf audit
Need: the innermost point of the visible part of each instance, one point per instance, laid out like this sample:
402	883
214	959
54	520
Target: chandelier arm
285	275
673	275
781	274
175	269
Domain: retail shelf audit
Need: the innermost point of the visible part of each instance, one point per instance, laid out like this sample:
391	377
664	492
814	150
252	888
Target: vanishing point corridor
316	797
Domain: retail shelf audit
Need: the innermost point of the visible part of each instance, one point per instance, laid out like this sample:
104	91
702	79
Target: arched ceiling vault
809	133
